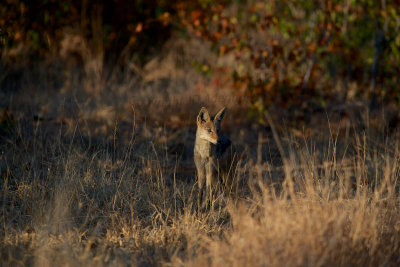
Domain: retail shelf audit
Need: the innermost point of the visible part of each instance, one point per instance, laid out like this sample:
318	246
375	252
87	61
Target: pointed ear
219	116
203	116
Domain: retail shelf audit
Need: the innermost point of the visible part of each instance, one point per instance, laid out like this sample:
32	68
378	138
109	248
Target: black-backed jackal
214	156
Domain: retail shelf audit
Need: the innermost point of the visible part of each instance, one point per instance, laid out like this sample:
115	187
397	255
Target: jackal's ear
203	116
218	117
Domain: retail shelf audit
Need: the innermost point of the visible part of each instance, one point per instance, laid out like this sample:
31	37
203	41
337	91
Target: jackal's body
212	152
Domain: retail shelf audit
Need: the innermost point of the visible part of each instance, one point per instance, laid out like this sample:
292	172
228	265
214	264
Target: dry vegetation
107	180
96	164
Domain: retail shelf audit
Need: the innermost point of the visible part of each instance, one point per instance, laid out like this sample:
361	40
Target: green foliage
287	53
294	52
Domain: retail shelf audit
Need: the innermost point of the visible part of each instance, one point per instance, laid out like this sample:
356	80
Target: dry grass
108	179
71	199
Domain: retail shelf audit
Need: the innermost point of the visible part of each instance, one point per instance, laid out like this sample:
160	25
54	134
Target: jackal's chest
205	152
204	156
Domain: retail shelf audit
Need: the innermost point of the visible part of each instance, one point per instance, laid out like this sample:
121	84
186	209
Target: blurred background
296	58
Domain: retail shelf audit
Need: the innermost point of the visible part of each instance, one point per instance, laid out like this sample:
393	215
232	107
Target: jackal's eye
209	130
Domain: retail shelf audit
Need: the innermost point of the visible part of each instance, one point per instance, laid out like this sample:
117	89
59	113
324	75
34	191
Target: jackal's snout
214	137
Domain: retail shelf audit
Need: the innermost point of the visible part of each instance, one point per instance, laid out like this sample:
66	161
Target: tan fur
213	153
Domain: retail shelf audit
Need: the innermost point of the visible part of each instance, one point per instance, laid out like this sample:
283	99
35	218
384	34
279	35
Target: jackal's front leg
211	180
201	179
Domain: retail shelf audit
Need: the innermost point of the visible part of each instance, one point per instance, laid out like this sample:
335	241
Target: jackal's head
208	128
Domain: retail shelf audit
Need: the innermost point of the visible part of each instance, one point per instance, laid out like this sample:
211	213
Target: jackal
213	154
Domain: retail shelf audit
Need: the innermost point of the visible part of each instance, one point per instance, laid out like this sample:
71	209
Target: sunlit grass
118	203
